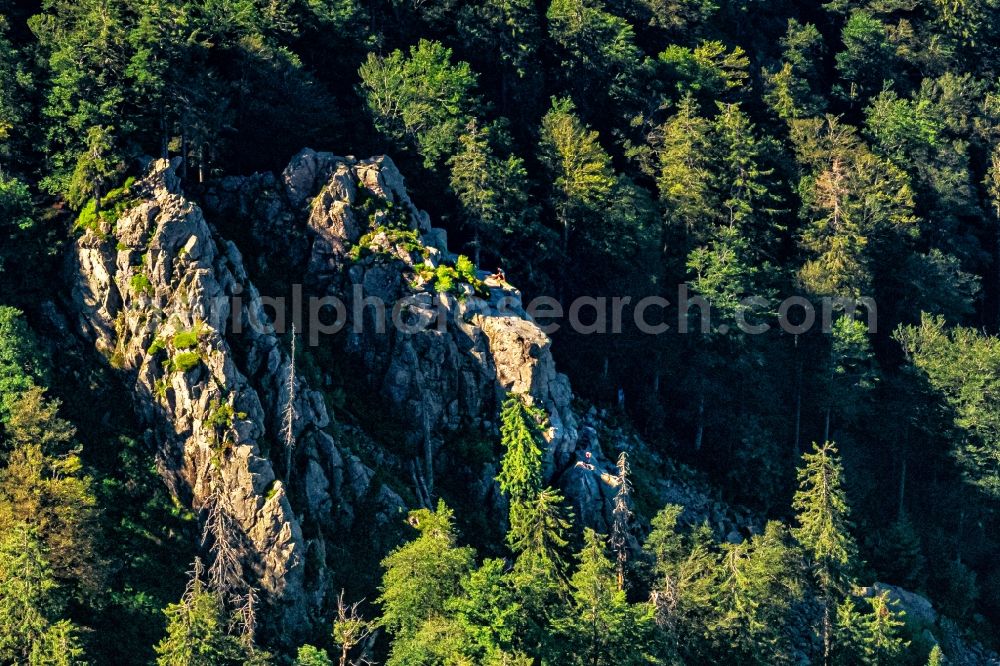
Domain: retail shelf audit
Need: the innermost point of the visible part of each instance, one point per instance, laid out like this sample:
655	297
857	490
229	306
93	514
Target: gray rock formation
367	240
169	303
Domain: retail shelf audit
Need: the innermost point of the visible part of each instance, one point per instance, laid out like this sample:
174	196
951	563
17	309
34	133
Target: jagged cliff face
168	301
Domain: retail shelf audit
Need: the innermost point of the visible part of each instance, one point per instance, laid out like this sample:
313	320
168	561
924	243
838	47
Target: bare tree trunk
428	453
164	139
900	510
827	630
184	154
289	416
826	424
797	450
700	432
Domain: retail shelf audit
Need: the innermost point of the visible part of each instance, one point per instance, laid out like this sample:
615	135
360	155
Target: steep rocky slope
168	301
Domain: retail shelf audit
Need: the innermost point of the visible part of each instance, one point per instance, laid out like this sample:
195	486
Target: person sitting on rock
499	276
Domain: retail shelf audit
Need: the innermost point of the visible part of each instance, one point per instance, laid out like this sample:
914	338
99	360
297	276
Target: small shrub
185	339
157	346
221	415
185	361
141	285
113	206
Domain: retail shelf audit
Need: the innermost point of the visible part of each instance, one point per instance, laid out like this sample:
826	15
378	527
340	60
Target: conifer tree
869	639
28	594
520	476
197	629
824	530
420	576
490	189
603	628
580	168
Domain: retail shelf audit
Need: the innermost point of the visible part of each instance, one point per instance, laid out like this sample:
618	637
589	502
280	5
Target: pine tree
59	646
422	575
538	536
936	657
869	639
28	593
824	529
490	189
579	167
520	476
601	57
760	582
795	89
197	629
855	204
45	486
603	628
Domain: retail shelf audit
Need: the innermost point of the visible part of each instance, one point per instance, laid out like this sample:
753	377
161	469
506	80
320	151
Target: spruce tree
197	630
824	530
603	628
520	476
580	168
420	576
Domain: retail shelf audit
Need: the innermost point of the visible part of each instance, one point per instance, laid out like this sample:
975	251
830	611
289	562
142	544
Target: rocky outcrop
449	358
169	303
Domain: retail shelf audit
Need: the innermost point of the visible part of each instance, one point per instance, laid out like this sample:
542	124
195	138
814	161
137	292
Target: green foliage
185	339
707	70
197	632
113	205
21	361
599	52
491	190
141	285
312	656
869	639
960	365
866	61
520	476
16	215
407	239
823	517
579	167
27	595
604	628
185	361
794	90
422	575
421	98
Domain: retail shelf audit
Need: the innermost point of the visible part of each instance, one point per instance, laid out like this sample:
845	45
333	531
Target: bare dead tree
220	534
288	432
351	630
195	581
621	517
246	618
